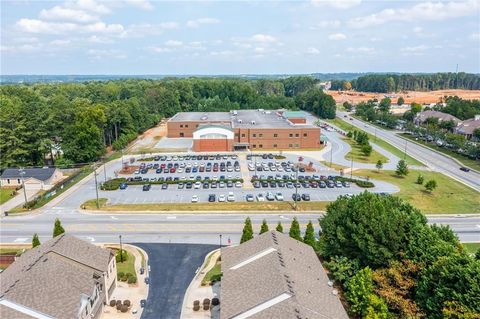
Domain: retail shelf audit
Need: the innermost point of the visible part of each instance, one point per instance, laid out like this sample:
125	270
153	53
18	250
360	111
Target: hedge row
112	184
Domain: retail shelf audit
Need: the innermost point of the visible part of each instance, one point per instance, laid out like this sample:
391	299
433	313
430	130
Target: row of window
8	180
181	134
296	145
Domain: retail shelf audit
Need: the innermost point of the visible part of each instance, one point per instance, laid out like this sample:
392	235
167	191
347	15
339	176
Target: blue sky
238	37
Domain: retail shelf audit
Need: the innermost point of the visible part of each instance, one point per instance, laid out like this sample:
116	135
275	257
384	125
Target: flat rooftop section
201	116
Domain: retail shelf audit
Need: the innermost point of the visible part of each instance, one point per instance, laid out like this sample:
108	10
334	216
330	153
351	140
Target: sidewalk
18	200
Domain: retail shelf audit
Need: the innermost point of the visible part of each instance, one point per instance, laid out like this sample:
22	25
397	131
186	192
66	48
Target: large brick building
244	129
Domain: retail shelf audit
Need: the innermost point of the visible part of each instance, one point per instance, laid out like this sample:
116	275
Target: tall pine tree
264	227
309	237
247	233
295	230
279	227
57	228
35	241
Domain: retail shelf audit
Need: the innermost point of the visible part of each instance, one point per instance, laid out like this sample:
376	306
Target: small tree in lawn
366	149
247	233
420	179
264	227
400	100
379	165
35	241
402	168
295	230
431	185
279	227
57	228
309	237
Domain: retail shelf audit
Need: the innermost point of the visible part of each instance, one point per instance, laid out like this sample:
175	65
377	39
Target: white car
238	185
180	170
194	198
260	197
279	196
230	197
221	198
197	185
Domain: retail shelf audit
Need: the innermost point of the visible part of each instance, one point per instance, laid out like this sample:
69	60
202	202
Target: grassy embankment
5	194
382	143
212	274
471	247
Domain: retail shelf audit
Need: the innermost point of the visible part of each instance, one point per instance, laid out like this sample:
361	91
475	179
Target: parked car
146	187
270	196
123	185
296	197
249	198
306	197
260	197
465	169
279	196
212	198
143	303
164	186
231	197
194	198
221	198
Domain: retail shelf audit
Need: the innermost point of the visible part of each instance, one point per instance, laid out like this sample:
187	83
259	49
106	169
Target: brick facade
212	145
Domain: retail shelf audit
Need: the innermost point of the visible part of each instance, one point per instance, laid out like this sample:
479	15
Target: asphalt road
172	267
174	228
434	160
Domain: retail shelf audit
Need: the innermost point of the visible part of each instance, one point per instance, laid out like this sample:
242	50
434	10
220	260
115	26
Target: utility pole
21	171
220	241
331	154
96	185
351	168
375	134
104	171
405	153
121	250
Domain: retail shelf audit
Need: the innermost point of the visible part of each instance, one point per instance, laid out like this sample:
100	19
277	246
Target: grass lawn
127	266
11	250
334	166
5	194
358	156
383	144
471	247
214	272
449	197
213	207
466	161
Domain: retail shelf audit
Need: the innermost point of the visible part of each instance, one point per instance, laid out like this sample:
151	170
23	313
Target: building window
260	135
196	125
254	135
181	134
290	135
254	146
297	135
304	134
274	145
186	125
260	146
290	145
181	125
275	135
8	180
243	135
296	145
18	180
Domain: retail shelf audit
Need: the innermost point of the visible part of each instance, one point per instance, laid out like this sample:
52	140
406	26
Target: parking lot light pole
220	241
96	185
351	168
21	171
296	187
405	153
104	171
121	250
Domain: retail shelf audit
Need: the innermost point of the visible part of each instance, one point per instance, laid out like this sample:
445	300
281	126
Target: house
64	278
35	178
275	276
467	127
442	117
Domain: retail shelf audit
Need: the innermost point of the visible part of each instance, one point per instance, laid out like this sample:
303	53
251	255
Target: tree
430	185
347	86
476	133
279	227
247	232
295	230
402	168
347	106
420	179
379	165
358	291
385	104
477	254
451	279
376	309
309	237
264	227
366	149
35	241
415	108
370	228
342	268
400	100
57	228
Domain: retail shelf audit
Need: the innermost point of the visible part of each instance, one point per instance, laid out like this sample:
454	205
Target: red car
172	170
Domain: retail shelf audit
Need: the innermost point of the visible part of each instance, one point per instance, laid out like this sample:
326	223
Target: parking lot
228	177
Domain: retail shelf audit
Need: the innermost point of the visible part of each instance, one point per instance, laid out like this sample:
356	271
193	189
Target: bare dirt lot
147	141
409	96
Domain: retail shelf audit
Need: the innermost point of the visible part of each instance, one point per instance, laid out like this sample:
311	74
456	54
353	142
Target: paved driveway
172	267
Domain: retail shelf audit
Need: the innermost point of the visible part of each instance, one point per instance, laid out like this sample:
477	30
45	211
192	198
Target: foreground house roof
49	281
275	276
41	174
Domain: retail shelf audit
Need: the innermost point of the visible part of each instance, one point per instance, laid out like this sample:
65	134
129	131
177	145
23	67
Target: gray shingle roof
292	268
39	173
468	126
423	116
52	277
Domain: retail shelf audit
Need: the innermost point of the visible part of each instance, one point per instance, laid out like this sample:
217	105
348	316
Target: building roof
201	117
294	114
52	278
423	116
41	174
275	276
468	126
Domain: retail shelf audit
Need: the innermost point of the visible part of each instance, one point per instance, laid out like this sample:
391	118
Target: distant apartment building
244	129
64	278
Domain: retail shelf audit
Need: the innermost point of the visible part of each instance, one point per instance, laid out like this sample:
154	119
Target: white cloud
146	29
99	39
421	11
362	50
313	51
198	22
326	24
415	49
263	38
60	42
337	36
142	4
106	54
173	43
43	27
59	13
337	4
89	5
475	36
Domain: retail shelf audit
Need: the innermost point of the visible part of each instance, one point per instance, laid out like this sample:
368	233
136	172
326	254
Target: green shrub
120	275
124	255
132	279
113	303
113	184
364	184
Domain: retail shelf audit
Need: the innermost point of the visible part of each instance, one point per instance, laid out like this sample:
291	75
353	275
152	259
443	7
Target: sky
238	37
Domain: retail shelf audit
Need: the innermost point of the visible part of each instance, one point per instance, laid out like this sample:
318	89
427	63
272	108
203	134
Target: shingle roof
52	277
423	116
39	173
468	126
286	266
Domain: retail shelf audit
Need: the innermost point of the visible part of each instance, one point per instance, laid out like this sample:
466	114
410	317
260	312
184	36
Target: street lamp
121	250
96	185
220	240
21	171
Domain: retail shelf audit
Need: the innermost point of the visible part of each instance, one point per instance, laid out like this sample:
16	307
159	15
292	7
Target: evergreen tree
264	227
430	185
247	233
295	230
35	241
379	165
420	179
58	229
400	100
279	227
309	237
402	168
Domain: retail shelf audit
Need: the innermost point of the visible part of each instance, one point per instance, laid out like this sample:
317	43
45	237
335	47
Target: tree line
384	83
84	119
